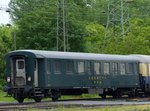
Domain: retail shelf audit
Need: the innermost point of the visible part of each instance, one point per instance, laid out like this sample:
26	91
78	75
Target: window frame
89	67
120	65
128	71
99	68
60	61
48	66
20	64
107	68
115	69
67	71
77	67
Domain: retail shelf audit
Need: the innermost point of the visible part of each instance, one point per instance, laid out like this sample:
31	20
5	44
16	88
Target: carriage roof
142	58
72	55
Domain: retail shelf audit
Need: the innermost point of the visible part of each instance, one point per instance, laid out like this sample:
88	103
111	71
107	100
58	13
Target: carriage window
122	69
69	66
80	66
97	68
89	67
129	68
115	68
48	67
57	66
20	64
106	68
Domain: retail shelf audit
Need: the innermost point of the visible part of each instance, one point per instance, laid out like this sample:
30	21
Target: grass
83	96
5	98
119	108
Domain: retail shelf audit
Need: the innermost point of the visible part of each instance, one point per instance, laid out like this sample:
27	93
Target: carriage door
35	73
20	78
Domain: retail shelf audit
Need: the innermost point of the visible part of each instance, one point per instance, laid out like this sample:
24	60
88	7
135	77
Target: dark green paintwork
64	80
75	80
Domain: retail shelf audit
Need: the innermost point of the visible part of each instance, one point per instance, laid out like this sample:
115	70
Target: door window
36	73
20	64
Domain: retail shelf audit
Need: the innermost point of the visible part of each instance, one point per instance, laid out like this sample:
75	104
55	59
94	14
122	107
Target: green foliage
36	21
136	42
4	98
95	37
5	46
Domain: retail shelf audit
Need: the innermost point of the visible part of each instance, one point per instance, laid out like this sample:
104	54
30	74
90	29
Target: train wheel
19	97
117	95
55	95
20	100
37	99
55	98
103	96
131	95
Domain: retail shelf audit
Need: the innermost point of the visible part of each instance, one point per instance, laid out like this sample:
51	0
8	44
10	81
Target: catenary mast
61	26
118	18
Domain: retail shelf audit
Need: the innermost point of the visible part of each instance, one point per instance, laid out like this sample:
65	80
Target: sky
4	16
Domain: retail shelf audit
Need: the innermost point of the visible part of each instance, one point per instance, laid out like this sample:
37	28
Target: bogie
55	94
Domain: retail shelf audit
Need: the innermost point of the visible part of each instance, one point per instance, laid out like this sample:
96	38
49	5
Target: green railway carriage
39	74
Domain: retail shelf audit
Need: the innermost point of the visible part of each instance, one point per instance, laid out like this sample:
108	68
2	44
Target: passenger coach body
38	74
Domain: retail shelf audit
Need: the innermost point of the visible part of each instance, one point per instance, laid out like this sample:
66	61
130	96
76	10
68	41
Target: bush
2	83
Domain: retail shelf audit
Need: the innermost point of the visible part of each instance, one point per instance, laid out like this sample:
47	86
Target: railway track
25	106
74	103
